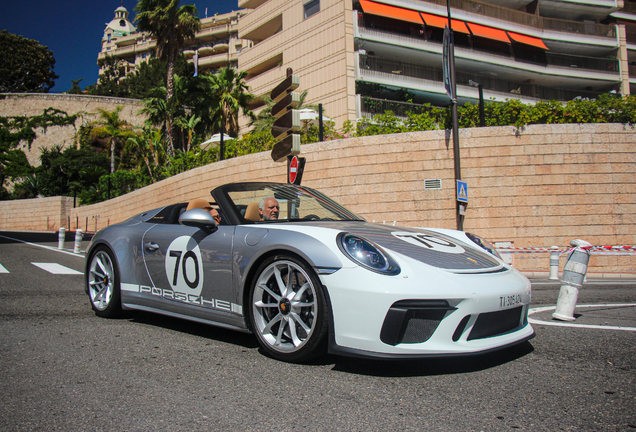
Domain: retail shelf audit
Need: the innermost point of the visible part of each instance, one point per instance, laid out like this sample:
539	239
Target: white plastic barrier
61	237
78	241
573	276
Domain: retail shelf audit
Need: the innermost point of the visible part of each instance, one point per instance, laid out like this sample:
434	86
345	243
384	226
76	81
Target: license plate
509	301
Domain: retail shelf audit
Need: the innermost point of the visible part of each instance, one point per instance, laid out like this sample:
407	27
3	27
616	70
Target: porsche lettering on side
306	276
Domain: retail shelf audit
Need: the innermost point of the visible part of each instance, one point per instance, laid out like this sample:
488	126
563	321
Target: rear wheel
103	283
289	312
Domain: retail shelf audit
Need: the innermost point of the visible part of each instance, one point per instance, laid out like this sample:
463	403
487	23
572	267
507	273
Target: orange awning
488	32
388	11
441	22
528	40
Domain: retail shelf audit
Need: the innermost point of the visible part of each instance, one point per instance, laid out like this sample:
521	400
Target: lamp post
482	118
221	146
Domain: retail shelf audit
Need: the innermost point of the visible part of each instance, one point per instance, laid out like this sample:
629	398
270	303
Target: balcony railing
525	18
590	63
463	78
629	7
519	54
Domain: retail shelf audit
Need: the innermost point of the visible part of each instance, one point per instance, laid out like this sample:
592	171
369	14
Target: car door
190	269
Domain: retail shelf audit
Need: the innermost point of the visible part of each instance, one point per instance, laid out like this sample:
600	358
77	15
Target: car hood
424	245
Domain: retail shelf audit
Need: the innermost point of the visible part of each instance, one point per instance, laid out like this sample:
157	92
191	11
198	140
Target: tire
290	320
103	284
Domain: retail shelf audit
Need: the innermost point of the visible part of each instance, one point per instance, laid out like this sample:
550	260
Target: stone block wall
37	214
537	187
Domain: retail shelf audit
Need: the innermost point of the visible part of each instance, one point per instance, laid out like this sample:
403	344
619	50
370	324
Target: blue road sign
462	191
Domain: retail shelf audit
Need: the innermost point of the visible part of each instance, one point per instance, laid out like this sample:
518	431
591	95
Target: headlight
484	244
367	254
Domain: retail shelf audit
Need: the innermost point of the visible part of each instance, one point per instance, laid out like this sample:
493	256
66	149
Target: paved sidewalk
537	274
611	316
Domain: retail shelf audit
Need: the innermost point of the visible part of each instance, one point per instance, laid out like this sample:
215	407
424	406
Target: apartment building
361	57
215	45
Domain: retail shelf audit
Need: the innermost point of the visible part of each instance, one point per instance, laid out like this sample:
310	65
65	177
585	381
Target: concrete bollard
78	241
61	237
554	263
573	276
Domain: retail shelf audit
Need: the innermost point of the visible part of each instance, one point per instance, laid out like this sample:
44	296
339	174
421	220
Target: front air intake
495	323
413	321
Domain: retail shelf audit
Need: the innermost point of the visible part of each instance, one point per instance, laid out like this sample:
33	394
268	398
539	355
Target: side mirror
198	218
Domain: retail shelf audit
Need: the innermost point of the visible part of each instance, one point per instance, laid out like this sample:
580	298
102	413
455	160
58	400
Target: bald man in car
268	209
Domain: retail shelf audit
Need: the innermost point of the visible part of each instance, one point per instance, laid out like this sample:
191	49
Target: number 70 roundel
184	266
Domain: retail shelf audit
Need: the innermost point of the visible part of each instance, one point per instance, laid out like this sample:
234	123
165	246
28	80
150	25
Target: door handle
151	247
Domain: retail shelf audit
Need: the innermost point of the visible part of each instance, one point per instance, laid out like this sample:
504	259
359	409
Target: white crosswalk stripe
55	268
3	270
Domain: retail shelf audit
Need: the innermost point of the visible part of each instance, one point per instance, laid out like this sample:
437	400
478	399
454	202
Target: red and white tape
595	250
524	250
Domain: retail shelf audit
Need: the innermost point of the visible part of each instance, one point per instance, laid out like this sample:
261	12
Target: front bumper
426	312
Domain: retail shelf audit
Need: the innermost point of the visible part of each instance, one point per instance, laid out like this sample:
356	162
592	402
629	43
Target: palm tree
264	120
140	144
171	25
156	109
112	128
228	88
187	124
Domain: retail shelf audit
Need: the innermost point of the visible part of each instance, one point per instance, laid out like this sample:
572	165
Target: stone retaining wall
37	214
544	185
32	104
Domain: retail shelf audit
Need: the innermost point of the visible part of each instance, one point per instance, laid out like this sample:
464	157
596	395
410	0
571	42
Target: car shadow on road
432	366
371	367
194	328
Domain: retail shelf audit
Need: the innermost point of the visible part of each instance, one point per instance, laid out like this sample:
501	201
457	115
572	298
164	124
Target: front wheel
289	312
103	284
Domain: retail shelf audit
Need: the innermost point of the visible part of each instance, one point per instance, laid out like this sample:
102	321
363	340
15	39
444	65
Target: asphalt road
63	368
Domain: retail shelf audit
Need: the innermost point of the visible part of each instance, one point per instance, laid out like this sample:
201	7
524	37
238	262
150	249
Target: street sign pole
287	122
459	217
295	169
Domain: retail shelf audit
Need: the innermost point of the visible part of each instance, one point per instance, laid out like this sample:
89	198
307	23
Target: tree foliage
139	84
171	25
75	87
114	130
26	65
22	129
62	172
229	89
69	171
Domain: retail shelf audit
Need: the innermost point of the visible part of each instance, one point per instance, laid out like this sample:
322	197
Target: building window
312	7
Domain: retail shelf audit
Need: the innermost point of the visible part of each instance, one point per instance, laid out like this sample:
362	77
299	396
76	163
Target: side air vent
460	328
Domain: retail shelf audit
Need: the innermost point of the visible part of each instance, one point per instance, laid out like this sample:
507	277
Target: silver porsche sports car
307	276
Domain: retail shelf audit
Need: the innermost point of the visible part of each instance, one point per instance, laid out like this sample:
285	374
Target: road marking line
43	246
587	326
56	268
3	270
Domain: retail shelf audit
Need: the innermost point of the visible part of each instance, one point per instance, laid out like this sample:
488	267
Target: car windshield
271	202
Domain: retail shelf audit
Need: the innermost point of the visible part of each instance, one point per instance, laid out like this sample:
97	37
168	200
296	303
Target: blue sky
73	30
